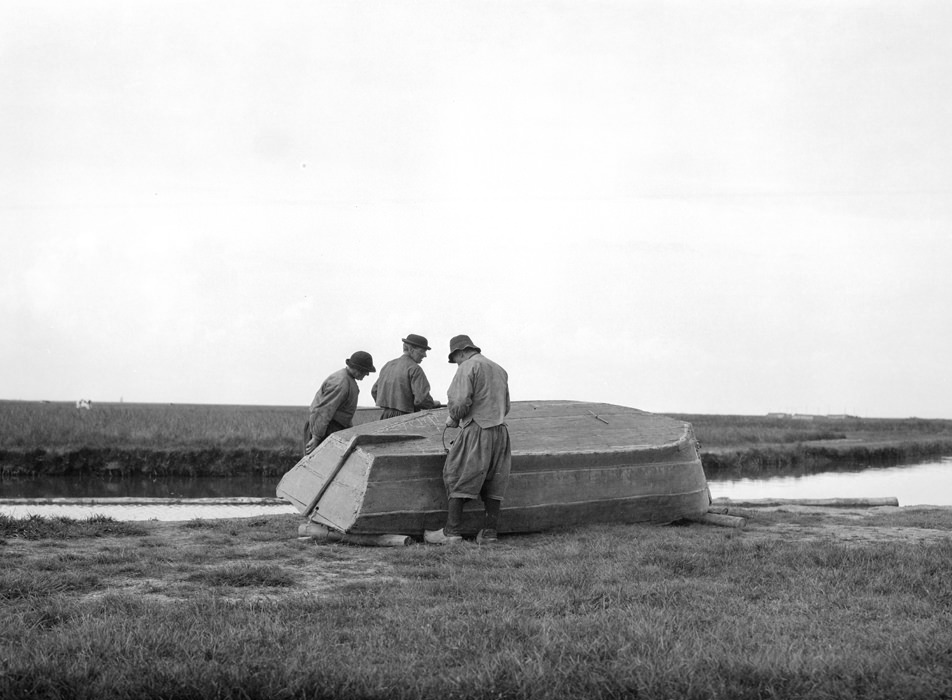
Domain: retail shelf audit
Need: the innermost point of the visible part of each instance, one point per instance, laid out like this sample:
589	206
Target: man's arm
460	396
420	387
325	405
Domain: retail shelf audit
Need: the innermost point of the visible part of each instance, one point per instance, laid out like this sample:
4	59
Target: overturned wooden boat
572	463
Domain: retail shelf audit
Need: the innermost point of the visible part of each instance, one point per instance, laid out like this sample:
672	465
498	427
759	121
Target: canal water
923	483
130	498
184	498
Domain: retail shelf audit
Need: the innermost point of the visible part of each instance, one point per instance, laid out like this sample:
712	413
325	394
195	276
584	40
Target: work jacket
402	385
335	400
479	393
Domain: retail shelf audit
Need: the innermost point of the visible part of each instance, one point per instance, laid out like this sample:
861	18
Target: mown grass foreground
797	605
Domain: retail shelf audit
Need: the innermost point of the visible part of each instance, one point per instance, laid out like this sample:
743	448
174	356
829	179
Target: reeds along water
147	440
163	440
749	431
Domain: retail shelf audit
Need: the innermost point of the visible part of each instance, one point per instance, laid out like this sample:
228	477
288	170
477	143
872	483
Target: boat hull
573	463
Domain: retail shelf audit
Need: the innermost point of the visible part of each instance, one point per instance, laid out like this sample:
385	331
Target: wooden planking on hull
573	462
562	485
537	518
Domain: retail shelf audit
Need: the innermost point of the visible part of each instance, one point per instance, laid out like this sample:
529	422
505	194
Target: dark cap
461	342
418	340
362	361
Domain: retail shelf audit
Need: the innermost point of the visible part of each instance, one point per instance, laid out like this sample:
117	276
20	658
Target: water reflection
926	483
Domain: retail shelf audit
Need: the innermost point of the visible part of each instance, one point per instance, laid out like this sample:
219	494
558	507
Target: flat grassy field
154	440
217	440
59	425
755	446
799	604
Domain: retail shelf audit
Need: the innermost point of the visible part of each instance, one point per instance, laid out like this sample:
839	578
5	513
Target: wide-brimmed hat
418	340
461	342
362	361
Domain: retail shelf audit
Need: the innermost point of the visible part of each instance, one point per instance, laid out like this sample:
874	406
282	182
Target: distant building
778	415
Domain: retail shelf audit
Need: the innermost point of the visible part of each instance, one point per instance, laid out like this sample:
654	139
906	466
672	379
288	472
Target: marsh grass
599	612
762	446
53	425
729	431
159	440
48	425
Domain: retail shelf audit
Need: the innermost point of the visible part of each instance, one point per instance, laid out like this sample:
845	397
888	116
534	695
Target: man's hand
451	422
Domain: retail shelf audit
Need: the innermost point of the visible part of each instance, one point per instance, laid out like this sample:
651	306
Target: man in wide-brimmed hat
335	402
479	460
402	386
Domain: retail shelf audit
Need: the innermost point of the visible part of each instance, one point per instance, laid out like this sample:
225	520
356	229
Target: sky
683	207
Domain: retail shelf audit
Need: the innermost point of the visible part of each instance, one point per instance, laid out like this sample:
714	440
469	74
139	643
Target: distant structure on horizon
84	404
809	416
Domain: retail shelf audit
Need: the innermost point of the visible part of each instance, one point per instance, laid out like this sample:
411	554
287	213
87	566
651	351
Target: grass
36	527
55	425
150	440
159	440
758	446
49	425
244	575
180	611
725	431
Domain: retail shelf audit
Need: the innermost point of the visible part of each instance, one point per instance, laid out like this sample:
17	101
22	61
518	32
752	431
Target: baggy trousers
478	463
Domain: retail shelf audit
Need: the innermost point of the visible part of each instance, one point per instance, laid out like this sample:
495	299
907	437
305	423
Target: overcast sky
708	207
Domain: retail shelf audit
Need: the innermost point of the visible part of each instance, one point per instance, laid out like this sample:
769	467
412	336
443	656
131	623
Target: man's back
479	392
403	386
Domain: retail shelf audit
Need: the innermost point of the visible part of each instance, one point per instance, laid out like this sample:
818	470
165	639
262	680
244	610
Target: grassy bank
32	425
752	446
155	440
208	440
242	608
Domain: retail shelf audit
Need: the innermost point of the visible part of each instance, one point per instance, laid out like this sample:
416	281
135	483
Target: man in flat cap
402	386
335	403
478	463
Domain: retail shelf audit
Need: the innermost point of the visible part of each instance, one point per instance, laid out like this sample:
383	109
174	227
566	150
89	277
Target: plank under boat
573	463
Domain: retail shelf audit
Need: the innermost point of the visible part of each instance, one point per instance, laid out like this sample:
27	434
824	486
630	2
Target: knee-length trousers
478	463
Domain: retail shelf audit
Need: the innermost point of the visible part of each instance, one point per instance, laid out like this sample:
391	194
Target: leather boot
488	534
454	516
449	534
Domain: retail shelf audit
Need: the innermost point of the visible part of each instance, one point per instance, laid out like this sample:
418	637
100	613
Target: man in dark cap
335	403
402	386
478	463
